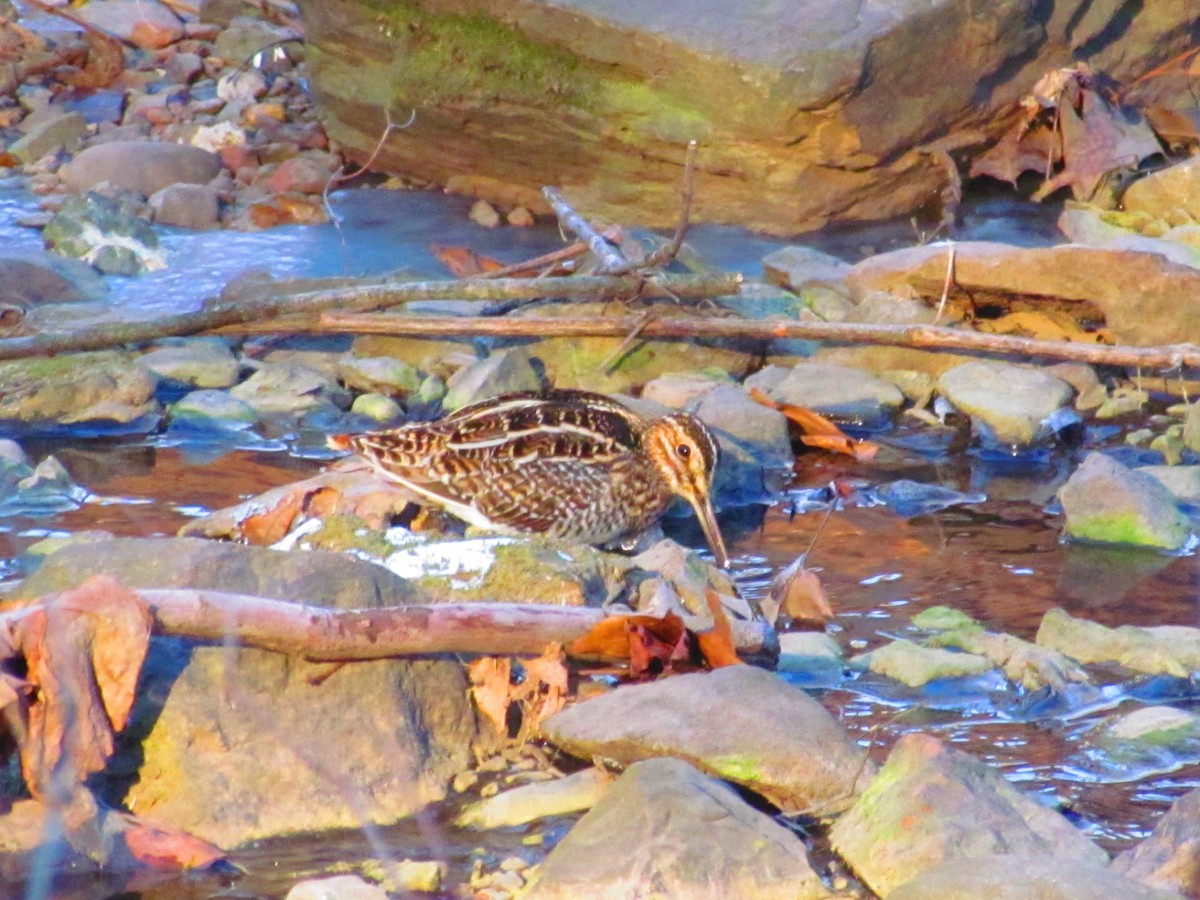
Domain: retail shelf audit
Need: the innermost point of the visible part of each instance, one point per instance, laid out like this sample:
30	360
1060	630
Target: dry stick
1176	356
610	257
327	635
665	254
374	295
554	257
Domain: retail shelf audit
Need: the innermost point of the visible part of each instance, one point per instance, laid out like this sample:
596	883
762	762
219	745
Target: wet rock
1007	403
930	804
664	824
1158	649
142	22
512	569
195	206
1153	740
1144	299
502	372
1023	663
336	887
64	129
45	490
377	407
382	374
729	408
770	737
572	793
211	412
288	388
75	388
142	166
1182	481
814	656
1169	190
47	278
1106	502
234	744
830	390
681	390
998	877
95	229
1170	857
198	362
915	665
796	267
1085	225
607	365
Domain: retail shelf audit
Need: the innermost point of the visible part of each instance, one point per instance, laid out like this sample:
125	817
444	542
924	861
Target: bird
569	464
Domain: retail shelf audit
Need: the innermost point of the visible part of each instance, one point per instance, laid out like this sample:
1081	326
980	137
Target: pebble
483	213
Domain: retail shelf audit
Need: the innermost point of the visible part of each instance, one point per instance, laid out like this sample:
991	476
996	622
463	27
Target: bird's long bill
708	521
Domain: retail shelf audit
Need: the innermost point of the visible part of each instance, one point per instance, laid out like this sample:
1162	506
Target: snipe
569	464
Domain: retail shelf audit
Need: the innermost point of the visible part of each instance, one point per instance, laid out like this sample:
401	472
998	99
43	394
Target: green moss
744	769
342	533
451	58
660	116
943	618
1125	529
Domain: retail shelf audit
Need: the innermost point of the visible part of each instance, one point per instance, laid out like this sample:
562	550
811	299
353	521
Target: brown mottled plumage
570	464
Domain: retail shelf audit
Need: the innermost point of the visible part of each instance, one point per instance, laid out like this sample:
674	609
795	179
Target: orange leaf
798	592
462	262
491	689
655	644
163	848
716	644
818	430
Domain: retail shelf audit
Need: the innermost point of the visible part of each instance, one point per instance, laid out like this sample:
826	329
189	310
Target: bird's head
686	454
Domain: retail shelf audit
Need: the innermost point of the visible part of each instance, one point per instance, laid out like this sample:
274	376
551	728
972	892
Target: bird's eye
684	450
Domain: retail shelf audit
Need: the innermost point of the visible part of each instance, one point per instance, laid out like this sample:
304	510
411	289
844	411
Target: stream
1000	560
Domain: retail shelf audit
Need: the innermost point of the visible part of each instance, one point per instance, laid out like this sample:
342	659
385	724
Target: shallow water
1000	560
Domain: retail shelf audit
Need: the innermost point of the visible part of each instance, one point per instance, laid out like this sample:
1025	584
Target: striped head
686	455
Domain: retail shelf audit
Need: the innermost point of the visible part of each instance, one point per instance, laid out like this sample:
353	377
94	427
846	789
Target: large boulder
236	744
805	112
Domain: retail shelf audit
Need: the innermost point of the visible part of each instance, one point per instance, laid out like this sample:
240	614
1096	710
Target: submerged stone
1106	502
95	229
915	665
1150	741
664	824
1159	649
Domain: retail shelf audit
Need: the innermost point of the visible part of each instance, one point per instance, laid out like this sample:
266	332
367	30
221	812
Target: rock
664	824
77	387
770	737
47	278
520	805
1170	857
931	803
187	206
680	390
1086	225
1007	403
62	130
241	86
535	569
1046	878
236	744
1160	649
424	355
1103	501
182	68
502	372
520	217
795	104
376	407
1182	481
796	267
147	24
308	173
421	875
914	665
589	363
830	390
46	490
95	229
336	887
245	37
143	166
483	213
1144	299
1171	189
1191	427
382	374
198	362
1153	740
810	658
211	409
287	388
729	409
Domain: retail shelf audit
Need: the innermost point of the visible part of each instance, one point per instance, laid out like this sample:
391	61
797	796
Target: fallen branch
610	257
361	297
1171	357
551	259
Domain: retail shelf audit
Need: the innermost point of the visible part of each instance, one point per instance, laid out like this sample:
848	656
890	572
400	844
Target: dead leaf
490	678
1048	325
818	430
798	592
716	644
655	644
104	62
463	262
540	692
165	848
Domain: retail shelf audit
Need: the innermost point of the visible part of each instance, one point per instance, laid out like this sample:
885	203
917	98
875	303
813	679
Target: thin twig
623	347
666	254
609	256
554	257
941	307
